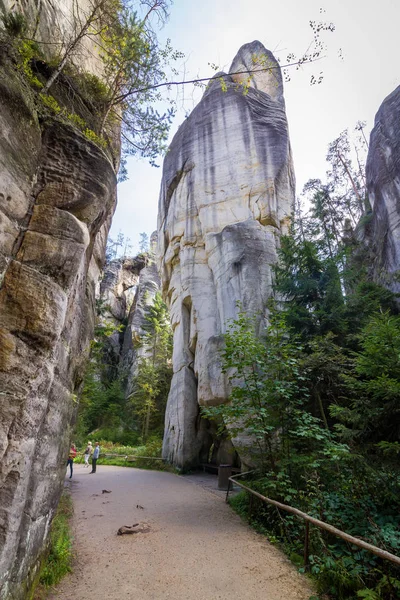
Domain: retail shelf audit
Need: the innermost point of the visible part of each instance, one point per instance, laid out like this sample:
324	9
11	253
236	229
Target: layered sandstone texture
383	184
226	197
57	196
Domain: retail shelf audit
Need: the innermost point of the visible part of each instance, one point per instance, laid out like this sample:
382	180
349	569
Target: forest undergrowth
319	392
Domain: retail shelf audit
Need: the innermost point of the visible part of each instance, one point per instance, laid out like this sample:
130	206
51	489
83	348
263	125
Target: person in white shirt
95	456
87	454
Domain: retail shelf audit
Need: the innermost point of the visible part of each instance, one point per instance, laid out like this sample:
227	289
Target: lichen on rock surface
226	197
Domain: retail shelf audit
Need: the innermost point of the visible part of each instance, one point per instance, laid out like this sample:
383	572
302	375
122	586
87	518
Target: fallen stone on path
106	491
136	528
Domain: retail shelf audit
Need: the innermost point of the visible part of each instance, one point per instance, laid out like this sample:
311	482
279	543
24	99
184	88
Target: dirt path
197	548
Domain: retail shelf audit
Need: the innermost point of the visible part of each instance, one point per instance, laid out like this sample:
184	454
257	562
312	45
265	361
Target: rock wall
117	292
128	288
134	348
226	197
56	22
57	197
382	235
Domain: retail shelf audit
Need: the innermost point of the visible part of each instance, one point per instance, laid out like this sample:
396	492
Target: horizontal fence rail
125	456
321	524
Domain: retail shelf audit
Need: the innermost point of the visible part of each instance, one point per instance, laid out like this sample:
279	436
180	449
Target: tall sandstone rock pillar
382	234
57	197
226	197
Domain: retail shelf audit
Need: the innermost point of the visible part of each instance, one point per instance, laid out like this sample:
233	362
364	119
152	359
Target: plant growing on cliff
14	23
86	24
130	61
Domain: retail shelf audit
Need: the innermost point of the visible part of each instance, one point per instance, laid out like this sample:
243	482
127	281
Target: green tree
268	396
372	410
144	243
152	382
309	285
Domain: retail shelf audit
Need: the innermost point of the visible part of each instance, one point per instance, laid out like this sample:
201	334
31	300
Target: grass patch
58	561
145	455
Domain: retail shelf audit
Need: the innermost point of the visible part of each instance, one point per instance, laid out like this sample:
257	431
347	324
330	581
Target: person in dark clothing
71	456
95	456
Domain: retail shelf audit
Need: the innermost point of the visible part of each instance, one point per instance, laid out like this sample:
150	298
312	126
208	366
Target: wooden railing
132	457
126	457
309	519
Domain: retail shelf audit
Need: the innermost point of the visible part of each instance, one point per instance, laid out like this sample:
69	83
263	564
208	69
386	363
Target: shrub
14	23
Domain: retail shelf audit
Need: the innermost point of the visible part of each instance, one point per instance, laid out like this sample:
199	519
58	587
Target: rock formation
382	234
128	288
134	347
118	289
57	196
226	197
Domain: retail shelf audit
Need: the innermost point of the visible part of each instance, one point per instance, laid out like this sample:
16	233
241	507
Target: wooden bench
214	468
207	467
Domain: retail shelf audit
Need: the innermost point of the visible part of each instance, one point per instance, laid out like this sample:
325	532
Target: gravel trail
197	547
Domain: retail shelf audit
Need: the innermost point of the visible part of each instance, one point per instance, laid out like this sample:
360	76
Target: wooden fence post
306	544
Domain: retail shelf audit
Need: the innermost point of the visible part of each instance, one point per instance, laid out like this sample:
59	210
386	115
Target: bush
151	449
14	23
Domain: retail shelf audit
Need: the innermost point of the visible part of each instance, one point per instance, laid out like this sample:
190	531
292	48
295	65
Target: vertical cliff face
57	196
118	289
128	288
134	345
56	21
226	197
383	182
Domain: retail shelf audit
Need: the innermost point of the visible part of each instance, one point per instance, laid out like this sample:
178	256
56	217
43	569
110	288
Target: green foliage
134	65
50	103
267	404
105	410
144	454
59	558
151	384
126	97
93	137
54	107
77	120
92	88
373	408
318	396
14	23
27	51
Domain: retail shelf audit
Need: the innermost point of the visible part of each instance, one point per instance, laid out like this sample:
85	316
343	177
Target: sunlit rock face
383	183
57	197
226	197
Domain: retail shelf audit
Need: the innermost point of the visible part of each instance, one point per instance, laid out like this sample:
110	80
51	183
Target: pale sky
212	31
